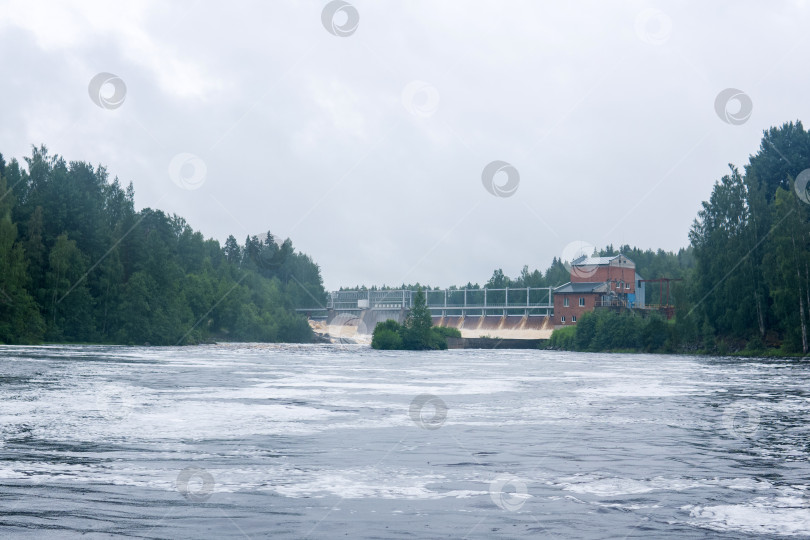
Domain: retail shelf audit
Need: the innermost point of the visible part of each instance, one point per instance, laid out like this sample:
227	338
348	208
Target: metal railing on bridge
524	301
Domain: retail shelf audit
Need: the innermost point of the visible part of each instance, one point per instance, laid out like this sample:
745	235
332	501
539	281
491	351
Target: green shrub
585	331
563	338
417	334
390	324
604	330
447	331
437	340
654	334
386	339
754	346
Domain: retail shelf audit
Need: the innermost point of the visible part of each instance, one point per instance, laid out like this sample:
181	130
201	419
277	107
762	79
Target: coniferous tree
233	253
20	320
78	263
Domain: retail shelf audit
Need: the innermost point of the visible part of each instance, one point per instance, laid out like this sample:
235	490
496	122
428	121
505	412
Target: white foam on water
266	391
138	418
458	386
370	483
611	486
774	516
636	388
615	487
357	483
627	506
746	484
590	375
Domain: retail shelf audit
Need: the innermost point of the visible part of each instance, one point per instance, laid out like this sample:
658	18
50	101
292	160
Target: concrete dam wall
358	325
509	327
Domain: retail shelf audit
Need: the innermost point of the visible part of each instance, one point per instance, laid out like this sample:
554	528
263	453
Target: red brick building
573	299
597	282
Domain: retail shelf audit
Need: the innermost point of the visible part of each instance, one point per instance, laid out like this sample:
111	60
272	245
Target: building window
627	286
581	301
573	318
562	319
565	301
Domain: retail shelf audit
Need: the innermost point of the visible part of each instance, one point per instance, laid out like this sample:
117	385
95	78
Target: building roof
586	287
584	260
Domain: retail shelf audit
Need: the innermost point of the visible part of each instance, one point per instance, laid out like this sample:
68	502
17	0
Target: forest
78	264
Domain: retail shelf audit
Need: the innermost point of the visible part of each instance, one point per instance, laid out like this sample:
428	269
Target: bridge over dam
509	313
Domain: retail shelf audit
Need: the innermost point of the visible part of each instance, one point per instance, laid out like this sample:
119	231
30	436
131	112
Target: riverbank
606	331
495	343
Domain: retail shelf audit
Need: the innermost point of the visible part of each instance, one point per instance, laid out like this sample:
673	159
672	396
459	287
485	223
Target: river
341	441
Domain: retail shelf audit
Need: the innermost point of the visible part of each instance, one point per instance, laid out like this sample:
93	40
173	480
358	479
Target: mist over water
326	441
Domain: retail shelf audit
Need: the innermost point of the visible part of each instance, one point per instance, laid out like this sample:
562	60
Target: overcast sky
366	144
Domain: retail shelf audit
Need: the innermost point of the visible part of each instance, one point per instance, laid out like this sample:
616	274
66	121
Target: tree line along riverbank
79	264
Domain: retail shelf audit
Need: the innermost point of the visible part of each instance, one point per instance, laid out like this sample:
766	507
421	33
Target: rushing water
255	441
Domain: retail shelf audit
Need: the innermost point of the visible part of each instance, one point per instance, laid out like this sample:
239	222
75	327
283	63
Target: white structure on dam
519	313
524	301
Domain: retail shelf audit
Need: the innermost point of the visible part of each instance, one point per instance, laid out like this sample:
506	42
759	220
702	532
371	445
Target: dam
509	313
